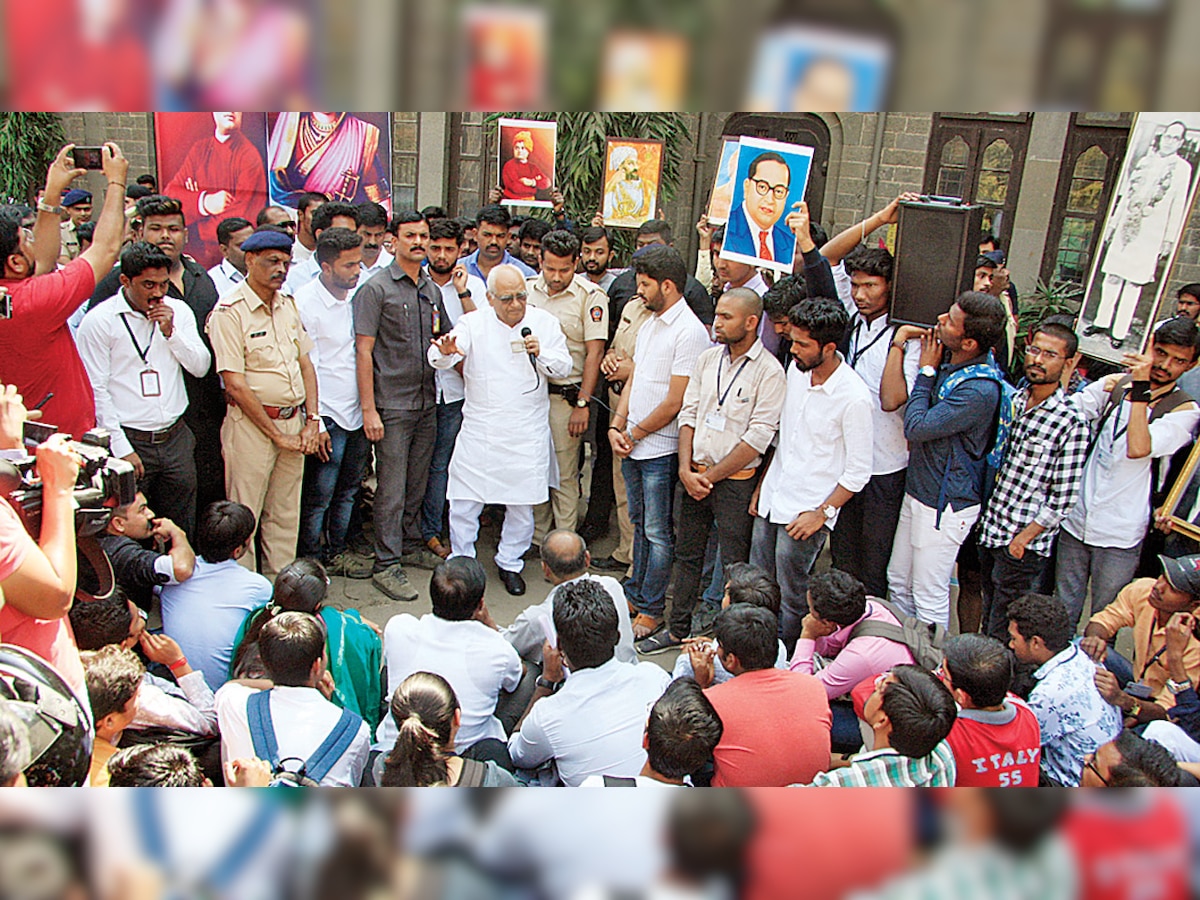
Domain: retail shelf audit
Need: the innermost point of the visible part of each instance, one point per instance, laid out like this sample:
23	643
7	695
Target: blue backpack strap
326	756
262	730
990	372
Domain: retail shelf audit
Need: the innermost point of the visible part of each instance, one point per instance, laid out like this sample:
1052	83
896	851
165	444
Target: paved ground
346	593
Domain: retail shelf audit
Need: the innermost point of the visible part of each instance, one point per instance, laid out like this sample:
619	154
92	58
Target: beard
442	268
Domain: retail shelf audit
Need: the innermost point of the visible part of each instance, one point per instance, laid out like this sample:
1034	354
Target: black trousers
170	480
601	498
861	542
1003	580
729	506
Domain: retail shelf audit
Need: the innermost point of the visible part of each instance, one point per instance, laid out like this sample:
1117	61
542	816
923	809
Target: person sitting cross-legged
592	721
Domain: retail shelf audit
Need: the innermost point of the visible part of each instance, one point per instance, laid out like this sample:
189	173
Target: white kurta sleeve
554	359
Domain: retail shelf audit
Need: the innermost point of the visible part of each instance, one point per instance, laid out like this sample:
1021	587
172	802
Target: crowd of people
352	394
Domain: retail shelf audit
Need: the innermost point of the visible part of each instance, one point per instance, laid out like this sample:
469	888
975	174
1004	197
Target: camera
105	482
91	158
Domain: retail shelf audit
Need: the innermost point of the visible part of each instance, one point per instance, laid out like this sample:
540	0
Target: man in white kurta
504	453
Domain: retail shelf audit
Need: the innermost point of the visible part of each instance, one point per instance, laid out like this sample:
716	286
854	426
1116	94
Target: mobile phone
1139	690
5	303
88	158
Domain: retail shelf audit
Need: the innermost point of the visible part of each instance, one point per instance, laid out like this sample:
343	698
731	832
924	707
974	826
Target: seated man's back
293	653
206	612
595	723
776	722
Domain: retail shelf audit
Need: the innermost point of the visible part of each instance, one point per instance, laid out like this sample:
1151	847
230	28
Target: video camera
105	482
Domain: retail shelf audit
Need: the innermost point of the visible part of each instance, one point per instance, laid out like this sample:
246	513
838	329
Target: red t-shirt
51	639
1132	849
37	352
997	749
776	729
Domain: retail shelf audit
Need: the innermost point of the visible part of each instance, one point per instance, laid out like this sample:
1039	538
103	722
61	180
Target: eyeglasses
512	298
1089	762
761	187
1047	355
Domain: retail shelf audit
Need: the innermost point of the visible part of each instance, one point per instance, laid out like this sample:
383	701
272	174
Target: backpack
923	640
988	465
313	769
1165	404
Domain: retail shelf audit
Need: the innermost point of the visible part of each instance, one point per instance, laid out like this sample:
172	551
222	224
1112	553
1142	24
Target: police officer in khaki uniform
261	351
582	310
77	204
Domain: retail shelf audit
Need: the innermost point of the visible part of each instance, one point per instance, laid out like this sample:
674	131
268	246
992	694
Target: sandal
644	626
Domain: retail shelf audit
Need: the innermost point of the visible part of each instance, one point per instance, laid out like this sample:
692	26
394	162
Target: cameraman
38	580
137	569
37	352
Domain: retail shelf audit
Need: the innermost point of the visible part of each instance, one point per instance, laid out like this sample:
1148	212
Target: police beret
267	239
76	196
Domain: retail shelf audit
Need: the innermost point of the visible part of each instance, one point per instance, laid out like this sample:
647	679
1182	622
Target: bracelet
178	664
616	429
119	184
1139	392
463	295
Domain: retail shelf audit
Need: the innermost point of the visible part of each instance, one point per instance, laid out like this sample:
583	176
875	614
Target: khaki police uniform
633	317
69	239
265	345
582	310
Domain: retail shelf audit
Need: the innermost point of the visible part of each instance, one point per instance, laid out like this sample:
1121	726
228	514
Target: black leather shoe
608	564
1117	343
513	582
1094	329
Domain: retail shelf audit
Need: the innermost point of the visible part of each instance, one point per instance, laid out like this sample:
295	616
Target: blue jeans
329	491
1109	568
433	509
789	562
650	485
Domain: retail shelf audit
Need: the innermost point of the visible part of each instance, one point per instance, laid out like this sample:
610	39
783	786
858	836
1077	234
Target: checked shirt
1041	474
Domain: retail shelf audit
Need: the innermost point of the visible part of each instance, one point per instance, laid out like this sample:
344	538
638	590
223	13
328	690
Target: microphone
526	332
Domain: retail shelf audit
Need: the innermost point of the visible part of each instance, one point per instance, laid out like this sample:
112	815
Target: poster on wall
770	183
215	164
721	197
1145	223
632	173
527	152
346	156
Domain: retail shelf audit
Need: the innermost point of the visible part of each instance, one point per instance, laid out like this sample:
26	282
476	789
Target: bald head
746	301
565	556
735	323
506	293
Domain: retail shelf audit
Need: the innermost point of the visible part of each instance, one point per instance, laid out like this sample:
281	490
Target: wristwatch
929	370
1177	687
581	403
830	511
551	686
43	206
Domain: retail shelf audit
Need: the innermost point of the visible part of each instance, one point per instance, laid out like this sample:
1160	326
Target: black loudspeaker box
937	243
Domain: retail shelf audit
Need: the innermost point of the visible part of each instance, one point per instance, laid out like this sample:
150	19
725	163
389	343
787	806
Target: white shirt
1114	499
302	718
668	345
384	260
870	343
450	383
824	440
225	277
115	368
301	273
536	623
594	725
187	706
300	253
330	323
504	452
757	233
476	661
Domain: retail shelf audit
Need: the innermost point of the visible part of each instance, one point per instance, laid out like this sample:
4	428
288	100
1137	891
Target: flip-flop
644	626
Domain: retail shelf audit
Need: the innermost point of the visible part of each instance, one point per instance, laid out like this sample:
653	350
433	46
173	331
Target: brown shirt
262	343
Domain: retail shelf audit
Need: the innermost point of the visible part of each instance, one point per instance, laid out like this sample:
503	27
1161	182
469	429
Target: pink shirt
51	639
852	661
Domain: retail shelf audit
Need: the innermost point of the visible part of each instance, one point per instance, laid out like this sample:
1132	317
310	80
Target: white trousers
1175	739
923	558
1118	302
515	537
